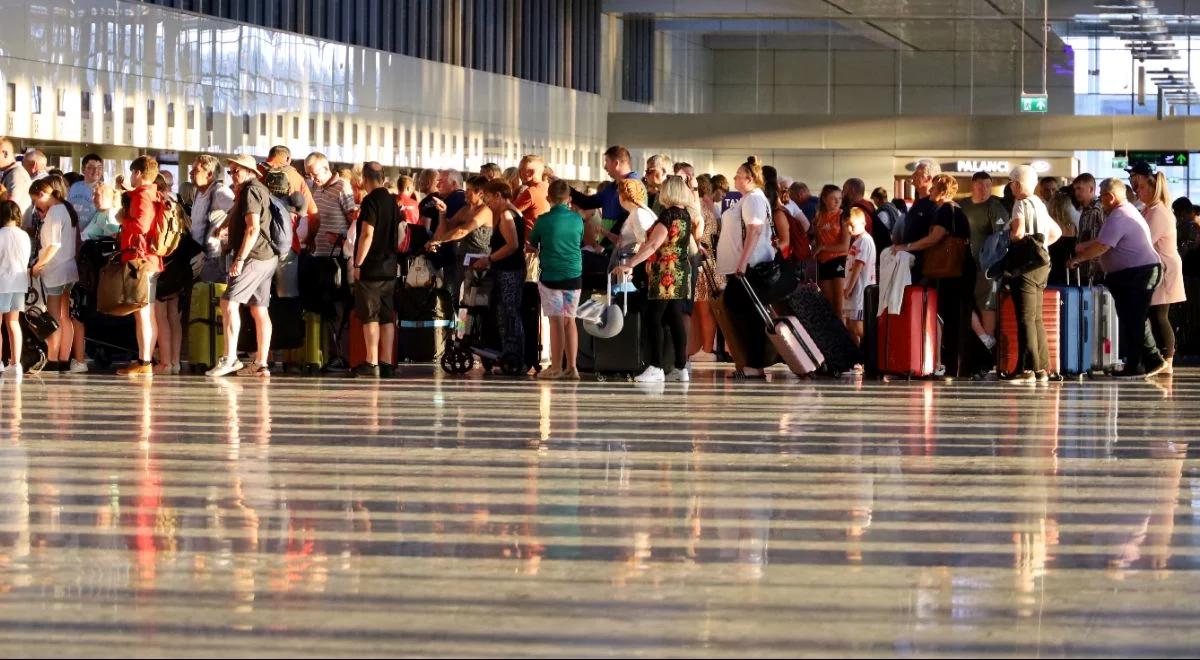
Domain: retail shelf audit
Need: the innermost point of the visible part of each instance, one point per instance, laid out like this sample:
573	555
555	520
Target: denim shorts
12	302
60	290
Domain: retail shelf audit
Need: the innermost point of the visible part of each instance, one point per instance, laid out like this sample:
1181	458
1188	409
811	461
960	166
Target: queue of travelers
681	241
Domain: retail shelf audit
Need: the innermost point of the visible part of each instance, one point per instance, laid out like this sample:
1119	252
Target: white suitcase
1105	332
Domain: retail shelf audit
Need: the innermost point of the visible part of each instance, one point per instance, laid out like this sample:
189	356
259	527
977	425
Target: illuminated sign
965	166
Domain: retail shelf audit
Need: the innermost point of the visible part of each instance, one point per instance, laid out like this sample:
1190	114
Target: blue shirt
607	200
80	197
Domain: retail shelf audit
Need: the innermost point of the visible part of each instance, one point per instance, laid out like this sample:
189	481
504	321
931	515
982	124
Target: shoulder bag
776	279
946	259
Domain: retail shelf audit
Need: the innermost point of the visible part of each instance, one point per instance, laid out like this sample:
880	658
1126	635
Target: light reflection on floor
429	515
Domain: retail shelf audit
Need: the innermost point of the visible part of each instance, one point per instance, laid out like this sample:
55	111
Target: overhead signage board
1158	158
1038	103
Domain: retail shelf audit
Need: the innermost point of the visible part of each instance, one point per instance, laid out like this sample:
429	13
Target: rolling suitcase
206	327
1185	316
1076	316
908	343
287	326
1106	332
809	307
870	347
788	335
309	357
625	354
1006	361
425	323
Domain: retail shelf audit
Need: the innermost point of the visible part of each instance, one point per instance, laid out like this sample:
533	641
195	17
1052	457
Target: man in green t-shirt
558	234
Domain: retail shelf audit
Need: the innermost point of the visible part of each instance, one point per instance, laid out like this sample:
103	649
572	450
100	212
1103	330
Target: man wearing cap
252	269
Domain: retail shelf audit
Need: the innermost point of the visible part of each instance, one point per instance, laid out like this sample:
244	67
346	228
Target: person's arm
852	277
654	240
314	217
1087	252
366	234
349	206
843	239
586	202
1055	232
935	236
782	233
465	222
752	234
805	224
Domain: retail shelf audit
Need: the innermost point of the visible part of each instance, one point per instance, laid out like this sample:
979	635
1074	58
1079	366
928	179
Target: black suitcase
287	326
622	355
828	331
425	323
870	348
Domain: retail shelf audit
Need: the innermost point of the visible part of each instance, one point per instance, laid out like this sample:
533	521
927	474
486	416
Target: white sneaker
679	375
704	356
3	367
988	340
78	367
651	375
225	366
14	373
176	369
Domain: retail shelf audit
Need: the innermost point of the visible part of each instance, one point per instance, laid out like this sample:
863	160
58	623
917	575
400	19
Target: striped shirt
334	200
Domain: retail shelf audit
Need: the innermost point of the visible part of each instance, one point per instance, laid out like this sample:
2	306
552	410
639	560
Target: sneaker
1130	375
365	370
225	366
387	371
78	367
651	375
14	373
988	340
679	375
751	372
3	367
137	369
1042	376
176	369
704	356
550	373
1023	377
256	370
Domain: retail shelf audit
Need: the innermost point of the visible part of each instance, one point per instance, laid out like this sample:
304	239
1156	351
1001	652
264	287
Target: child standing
15	248
860	267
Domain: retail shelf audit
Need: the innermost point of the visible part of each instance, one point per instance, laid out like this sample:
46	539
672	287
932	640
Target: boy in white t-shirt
860	272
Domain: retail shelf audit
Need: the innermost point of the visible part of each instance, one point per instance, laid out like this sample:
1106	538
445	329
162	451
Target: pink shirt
1163	234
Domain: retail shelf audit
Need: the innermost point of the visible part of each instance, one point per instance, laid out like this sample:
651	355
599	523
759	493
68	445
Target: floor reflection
951	517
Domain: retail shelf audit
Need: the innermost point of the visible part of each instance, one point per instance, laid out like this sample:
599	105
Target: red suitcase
1006	360
908	342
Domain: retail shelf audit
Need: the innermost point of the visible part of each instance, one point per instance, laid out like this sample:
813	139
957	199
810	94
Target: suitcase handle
763	312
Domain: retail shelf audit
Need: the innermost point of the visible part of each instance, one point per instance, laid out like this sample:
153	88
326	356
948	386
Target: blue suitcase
1076	319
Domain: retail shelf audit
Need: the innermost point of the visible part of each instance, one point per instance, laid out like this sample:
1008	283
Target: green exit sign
1035	103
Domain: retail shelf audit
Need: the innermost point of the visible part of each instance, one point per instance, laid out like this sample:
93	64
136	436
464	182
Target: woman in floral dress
665	252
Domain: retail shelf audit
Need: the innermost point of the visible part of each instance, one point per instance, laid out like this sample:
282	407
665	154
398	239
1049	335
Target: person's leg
1026	305
837	292
677	324
371	342
826	287
175	319
1164	334
12	322
232	313
164	337
652	319
1041	276
67	341
570	345
1131	296
556	343
387	342
263	329
857	330
54	308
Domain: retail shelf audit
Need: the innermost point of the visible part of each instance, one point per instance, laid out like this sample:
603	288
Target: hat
1141	167
244	161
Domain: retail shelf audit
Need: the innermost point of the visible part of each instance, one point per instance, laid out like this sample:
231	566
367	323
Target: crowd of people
676	237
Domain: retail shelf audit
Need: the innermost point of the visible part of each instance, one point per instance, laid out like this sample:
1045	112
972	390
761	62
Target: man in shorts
252	270
375	269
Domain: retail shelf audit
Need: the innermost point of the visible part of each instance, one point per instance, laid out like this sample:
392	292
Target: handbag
478	290
773	280
124	286
38	322
946	259
1025	255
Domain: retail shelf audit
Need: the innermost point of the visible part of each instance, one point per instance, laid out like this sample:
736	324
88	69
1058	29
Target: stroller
480	332
109	339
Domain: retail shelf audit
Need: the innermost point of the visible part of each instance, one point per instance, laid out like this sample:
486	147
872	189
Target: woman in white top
1030	217
58	237
744	243
14	280
634	197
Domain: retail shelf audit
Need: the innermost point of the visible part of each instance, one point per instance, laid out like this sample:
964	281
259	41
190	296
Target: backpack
281	230
276	180
170	224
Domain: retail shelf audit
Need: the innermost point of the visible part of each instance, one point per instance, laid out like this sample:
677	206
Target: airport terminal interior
577	328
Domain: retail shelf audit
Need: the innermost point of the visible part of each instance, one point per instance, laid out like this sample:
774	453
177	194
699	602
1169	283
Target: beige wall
683	73
881	82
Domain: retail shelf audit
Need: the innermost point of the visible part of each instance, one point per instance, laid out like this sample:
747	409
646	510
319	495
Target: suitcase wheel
600	378
457	361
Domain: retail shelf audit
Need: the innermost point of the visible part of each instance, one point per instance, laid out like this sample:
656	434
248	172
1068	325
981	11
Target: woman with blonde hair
1163	232
1063	213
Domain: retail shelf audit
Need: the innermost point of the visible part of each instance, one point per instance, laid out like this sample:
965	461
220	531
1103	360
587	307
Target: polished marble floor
435	516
